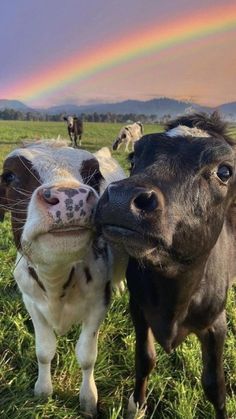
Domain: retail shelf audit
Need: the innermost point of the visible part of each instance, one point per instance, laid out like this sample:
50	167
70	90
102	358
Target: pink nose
66	204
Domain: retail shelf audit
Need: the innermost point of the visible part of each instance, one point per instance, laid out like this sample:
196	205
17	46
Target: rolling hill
13	104
158	107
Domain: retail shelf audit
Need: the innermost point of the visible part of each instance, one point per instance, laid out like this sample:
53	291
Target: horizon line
119	102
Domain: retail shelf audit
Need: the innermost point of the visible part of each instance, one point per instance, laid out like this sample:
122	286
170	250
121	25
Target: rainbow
138	44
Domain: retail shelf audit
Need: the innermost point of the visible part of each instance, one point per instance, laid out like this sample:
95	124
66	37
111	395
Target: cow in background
75	129
128	134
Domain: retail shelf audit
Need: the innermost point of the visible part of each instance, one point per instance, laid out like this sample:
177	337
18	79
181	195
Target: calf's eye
224	173
8	177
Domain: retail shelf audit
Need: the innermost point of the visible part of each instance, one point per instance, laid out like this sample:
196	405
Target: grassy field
174	387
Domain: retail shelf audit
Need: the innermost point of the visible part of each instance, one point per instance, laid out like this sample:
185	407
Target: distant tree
165	118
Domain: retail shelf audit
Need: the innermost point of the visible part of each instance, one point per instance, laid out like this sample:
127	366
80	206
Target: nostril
48	197
146	201
91	197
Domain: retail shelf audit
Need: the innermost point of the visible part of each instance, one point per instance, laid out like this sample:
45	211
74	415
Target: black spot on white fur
91	174
88	275
35	277
67	283
107	293
70	192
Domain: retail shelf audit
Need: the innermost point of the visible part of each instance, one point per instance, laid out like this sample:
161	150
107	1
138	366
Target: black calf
176	214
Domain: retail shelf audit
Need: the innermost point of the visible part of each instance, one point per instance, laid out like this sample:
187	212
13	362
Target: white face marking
70	121
183	131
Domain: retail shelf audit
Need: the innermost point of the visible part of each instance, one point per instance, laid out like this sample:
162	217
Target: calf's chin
62	249
135	244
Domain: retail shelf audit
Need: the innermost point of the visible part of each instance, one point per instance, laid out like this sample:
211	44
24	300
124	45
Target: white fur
109	167
184	131
55	309
132	132
133	411
70	121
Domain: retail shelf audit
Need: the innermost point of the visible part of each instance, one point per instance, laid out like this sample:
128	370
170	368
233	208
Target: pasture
174	387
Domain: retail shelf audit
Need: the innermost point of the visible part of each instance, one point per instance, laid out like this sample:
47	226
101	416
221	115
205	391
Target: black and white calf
128	134
75	129
64	269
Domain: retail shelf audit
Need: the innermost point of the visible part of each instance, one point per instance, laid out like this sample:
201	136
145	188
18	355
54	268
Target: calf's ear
3	201
65	118
91	175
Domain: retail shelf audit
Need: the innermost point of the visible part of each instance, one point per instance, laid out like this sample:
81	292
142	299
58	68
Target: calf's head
51	191
70	120
171	210
123	135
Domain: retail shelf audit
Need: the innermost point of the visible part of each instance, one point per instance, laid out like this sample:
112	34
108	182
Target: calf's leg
213	380
144	358
127	146
86	352
71	138
45	341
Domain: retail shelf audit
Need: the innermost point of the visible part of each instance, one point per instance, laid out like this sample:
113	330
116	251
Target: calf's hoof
88	401
133	411
221	414
43	389
87	409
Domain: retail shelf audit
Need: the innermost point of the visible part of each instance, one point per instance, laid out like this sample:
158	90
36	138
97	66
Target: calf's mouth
140	245
135	242
71	229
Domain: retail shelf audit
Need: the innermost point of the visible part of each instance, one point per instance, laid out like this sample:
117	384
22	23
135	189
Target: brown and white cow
75	129
128	134
64	268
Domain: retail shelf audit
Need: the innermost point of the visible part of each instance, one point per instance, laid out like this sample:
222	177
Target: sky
94	51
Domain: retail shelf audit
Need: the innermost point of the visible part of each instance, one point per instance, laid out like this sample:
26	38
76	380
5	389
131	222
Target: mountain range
16	105
158	107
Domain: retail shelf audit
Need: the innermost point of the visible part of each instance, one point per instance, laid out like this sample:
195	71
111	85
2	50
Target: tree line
17	115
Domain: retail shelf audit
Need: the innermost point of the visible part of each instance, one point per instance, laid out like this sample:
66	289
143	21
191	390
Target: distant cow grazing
176	218
128	134
63	266
75	129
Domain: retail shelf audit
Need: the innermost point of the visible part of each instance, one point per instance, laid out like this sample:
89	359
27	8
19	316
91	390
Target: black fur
176	218
212	124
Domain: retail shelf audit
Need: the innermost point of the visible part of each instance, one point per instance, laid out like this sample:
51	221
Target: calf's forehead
192	154
51	162
70	119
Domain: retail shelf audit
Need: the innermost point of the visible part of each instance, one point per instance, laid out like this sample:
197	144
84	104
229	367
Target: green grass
174	387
